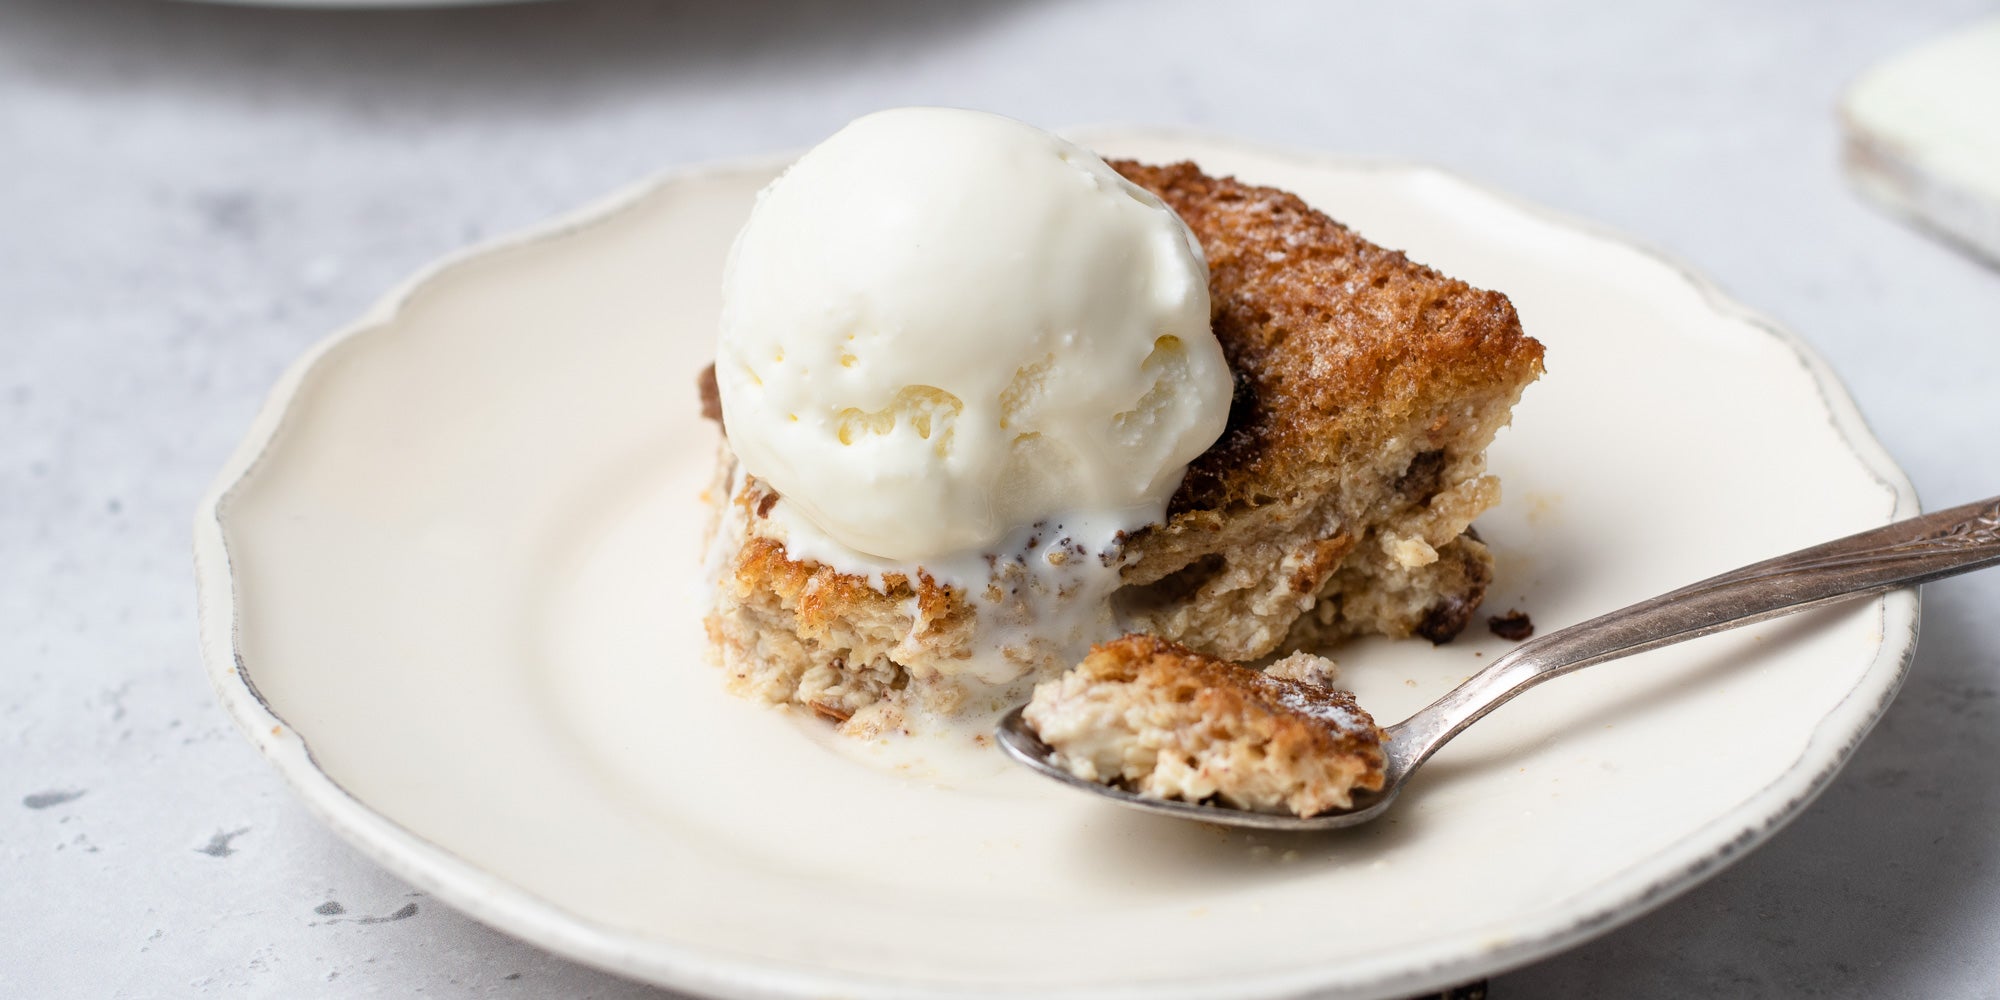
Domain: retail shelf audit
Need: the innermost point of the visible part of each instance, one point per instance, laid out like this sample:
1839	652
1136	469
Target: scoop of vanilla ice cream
940	326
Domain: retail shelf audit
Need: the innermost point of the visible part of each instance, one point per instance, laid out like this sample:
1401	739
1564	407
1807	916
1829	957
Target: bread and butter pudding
1340	498
1162	720
989	400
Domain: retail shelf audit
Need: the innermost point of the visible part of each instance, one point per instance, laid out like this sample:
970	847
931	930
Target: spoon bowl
1021	743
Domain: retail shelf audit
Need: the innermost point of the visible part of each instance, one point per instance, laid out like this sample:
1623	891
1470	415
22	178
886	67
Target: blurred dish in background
1923	137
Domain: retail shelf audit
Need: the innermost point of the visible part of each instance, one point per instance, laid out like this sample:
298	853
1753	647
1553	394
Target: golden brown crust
710	393
1330	336
821	598
1367	389
1291	714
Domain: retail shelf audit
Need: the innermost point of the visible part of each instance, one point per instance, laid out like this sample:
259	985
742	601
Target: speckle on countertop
218	844
44	800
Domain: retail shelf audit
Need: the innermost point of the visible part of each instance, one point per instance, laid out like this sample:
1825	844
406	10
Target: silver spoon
1902	554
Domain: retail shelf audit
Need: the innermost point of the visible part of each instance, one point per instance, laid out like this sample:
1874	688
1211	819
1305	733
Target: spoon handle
1902	554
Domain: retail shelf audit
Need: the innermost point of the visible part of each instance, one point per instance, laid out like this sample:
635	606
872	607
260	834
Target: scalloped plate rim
491	899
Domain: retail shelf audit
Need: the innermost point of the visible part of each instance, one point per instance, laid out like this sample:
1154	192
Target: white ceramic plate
448	586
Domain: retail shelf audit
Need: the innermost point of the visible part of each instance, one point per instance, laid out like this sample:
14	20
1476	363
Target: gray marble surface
190	195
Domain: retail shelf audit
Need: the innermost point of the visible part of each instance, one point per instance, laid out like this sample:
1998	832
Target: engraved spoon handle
1902	554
